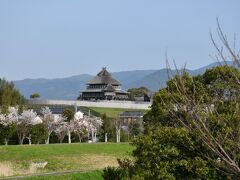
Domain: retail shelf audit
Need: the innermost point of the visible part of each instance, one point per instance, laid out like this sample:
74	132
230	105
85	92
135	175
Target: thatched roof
109	88
104	77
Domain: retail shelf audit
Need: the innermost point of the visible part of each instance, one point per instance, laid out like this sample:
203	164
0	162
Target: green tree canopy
68	114
192	130
138	92
9	96
35	95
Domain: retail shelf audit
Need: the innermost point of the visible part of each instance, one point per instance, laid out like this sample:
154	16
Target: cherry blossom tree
26	120
48	121
8	123
79	125
12	116
3	125
93	125
61	129
3	119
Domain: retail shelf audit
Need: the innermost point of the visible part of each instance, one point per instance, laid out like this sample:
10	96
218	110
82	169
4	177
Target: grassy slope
61	157
112	112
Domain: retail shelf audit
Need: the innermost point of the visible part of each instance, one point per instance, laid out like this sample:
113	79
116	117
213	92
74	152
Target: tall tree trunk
79	137
21	138
92	135
47	140
6	141
106	137
21	141
29	139
95	136
117	136
69	137
118	131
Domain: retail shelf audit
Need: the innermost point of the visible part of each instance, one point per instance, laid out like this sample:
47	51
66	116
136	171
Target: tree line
39	128
20	124
27	127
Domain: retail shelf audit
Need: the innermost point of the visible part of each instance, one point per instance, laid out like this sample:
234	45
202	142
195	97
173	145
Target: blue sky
60	38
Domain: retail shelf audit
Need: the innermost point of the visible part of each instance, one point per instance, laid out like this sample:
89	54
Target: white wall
104	104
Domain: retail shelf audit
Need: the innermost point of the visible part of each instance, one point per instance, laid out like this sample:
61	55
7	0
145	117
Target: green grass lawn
18	160
94	175
112	112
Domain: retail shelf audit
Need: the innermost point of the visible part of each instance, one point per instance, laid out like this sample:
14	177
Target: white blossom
48	121
3	120
78	115
93	125
37	120
62	127
9	118
27	117
24	125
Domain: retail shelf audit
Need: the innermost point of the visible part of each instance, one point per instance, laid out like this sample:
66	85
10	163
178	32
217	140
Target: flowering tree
80	128
3	125
8	123
97	124
61	129
93	125
27	119
2	119
48	121
79	125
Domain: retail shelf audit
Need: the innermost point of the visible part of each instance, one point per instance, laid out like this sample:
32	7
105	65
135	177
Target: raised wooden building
104	87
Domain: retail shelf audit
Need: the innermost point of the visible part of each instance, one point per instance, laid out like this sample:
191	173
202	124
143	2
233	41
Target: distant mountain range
70	87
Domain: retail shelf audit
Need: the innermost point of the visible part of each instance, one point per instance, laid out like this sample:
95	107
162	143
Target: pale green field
113	112
19	160
110	112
